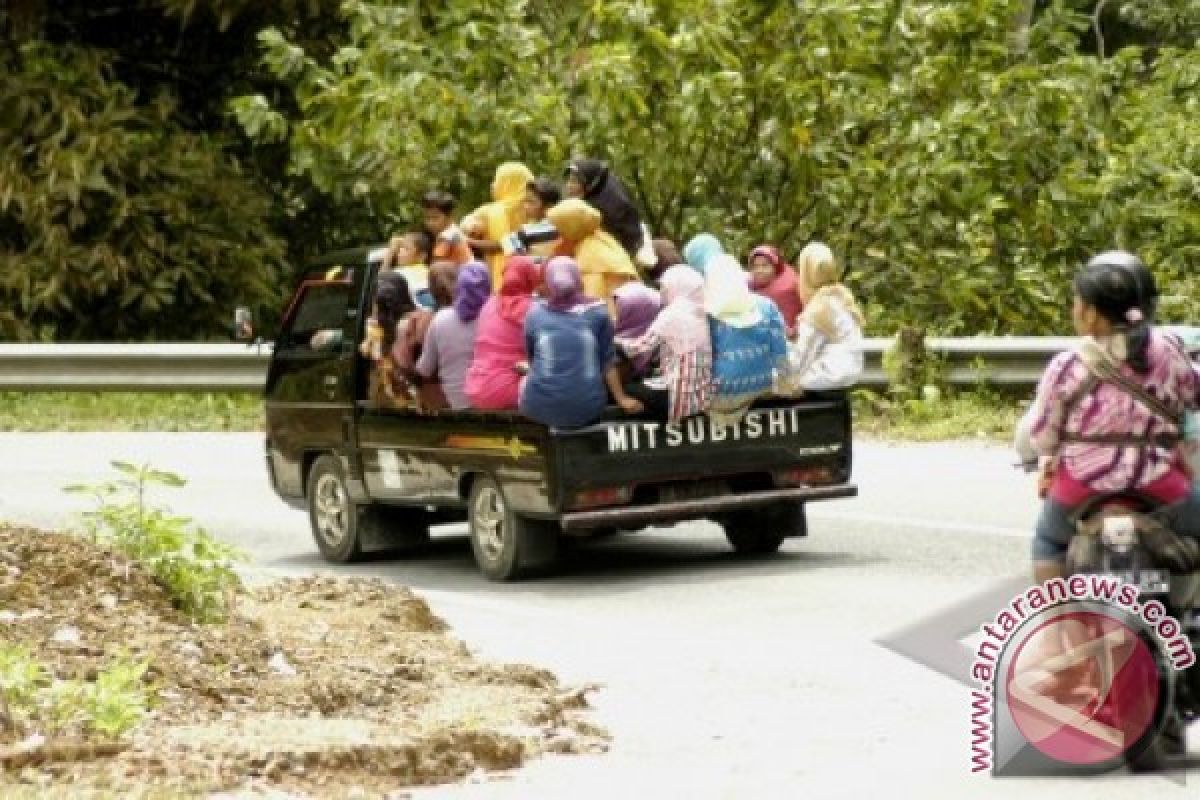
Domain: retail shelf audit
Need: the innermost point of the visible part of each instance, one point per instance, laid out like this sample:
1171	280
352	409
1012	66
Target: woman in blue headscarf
701	250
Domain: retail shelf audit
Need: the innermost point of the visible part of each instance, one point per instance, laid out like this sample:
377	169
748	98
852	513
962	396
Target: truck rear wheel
761	531
506	546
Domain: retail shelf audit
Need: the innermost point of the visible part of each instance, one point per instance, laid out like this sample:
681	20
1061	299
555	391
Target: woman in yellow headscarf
488	225
603	262
827	351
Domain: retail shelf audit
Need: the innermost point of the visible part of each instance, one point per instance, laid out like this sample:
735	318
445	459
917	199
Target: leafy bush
194	568
111	705
111	214
962	172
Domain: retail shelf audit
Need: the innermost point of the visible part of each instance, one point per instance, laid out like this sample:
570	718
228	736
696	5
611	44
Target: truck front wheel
334	517
346	531
506	546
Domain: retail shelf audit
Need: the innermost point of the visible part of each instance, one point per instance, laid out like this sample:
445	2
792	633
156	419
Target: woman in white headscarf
749	340
827	351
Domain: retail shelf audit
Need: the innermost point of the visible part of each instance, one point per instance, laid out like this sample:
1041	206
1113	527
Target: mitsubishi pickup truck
373	479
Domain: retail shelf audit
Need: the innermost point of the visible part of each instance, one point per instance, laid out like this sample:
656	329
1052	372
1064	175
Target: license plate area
692	490
1147	581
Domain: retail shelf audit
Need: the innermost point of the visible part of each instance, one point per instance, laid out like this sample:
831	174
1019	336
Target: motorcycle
1114	540
1120	536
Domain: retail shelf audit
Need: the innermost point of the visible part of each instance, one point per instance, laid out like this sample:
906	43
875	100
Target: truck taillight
804	476
612	496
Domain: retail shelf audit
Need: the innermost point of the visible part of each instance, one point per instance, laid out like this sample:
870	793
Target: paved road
723	678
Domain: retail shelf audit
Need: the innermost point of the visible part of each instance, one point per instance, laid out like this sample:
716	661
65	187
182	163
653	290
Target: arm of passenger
1048	416
646	344
427	364
805	349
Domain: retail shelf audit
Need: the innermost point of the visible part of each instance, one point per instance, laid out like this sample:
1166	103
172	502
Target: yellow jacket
603	263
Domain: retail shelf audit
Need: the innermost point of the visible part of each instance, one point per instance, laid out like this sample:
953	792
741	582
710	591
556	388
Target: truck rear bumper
693	509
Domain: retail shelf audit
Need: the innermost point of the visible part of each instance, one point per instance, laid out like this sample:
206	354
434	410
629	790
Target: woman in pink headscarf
680	335
492	379
774	278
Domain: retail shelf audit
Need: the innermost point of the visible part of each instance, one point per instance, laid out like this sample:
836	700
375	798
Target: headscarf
505	213
782	288
637	307
442	279
574	219
822	276
727	296
471	290
682	320
602	261
521	279
392	301
701	250
564	285
605	192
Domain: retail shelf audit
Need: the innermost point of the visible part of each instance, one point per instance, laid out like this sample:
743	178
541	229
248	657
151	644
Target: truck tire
335	518
506	546
761	531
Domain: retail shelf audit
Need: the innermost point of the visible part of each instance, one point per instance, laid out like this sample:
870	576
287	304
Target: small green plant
195	568
111	705
21	678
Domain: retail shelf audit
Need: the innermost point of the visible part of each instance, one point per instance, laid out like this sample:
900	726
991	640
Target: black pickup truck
375	479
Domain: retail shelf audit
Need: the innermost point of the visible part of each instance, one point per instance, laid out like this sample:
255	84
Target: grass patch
130	411
979	413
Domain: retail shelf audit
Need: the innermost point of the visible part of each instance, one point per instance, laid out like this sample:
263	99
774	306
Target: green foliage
110	705
111	215
963	178
194	568
932	416
21	678
130	411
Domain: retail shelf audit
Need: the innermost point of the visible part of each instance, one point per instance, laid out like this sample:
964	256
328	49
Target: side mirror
243	325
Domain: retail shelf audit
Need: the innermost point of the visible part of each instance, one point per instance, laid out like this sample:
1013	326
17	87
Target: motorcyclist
1108	414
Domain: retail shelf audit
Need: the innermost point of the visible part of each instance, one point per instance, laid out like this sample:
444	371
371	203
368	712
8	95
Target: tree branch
1098	27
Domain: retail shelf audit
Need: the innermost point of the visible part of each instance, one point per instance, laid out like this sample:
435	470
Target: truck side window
318	321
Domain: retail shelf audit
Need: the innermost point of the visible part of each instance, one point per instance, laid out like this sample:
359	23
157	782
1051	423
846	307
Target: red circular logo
1083	688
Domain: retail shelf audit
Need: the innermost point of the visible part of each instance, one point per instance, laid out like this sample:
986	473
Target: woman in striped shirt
1077	423
680	335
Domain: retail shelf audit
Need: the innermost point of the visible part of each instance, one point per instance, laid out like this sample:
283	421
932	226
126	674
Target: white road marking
942	526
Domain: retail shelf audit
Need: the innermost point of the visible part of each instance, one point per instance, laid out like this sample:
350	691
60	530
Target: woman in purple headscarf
450	341
637	306
569	339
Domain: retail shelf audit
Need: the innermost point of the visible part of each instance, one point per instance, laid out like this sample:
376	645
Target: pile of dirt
313	684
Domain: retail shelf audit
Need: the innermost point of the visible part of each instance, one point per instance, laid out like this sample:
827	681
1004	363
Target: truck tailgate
779	436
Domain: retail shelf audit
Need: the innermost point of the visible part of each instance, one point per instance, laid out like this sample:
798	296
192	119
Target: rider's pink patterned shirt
1107	410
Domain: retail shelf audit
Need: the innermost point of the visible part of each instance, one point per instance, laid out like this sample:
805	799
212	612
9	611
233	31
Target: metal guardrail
133	367
1013	361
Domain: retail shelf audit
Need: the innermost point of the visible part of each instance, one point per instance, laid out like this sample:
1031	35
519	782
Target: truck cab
373	479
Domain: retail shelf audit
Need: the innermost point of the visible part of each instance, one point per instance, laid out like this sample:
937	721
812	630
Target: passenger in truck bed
395	323
492	378
450	341
679	335
569	338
